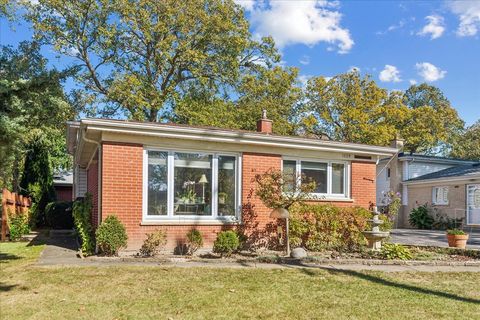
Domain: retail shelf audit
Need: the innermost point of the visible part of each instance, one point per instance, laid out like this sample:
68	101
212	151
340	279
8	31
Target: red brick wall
256	221
363	186
92	188
122	195
64	193
122	187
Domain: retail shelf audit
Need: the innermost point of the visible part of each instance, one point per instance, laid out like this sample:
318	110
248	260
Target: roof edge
231	135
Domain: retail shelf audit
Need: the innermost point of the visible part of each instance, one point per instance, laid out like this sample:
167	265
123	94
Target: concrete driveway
435	238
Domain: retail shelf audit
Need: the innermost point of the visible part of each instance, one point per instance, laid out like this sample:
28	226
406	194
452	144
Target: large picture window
179	185
330	177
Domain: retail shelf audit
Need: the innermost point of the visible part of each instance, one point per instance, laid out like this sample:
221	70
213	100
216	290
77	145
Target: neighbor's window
440	195
330	177
190	184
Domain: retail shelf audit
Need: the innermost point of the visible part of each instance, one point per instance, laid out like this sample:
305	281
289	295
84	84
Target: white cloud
303	78
393	27
468	13
246	4
390	74
305	60
435	27
429	72
412	82
301	22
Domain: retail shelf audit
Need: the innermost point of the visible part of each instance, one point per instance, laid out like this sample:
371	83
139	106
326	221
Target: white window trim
435	201
188	219
469	187
329	195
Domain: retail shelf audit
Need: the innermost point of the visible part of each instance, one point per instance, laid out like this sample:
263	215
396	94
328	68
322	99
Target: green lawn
31	292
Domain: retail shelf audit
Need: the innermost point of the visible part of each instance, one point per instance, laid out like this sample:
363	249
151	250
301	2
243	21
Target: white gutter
443	180
218	135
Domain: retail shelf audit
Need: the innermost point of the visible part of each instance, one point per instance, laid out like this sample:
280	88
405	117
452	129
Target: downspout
90	141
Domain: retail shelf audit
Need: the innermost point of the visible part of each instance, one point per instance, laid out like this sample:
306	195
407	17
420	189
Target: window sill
188	222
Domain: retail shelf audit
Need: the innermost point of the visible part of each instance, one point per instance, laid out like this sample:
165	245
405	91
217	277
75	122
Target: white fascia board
218	135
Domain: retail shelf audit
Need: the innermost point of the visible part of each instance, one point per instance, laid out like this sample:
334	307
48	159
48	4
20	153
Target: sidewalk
61	250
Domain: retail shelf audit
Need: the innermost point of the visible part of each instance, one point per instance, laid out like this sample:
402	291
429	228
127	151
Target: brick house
175	178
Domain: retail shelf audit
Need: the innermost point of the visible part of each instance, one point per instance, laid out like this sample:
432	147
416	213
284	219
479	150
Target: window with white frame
440	195
190	184
330	177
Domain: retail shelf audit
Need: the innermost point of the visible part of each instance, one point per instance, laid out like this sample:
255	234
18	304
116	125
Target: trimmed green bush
327	227
393	251
226	243
420	218
194	241
18	226
59	215
111	236
153	243
82	209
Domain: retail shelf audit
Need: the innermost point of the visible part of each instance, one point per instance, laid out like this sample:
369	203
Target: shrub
387	224
81	216
456	232
153	243
444	222
194	241
59	215
18	226
392	251
226	243
111	236
322	227
420	218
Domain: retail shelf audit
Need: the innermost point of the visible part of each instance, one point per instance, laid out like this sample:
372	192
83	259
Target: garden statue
375	236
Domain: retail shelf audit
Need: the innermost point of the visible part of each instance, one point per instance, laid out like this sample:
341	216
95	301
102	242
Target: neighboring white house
393	174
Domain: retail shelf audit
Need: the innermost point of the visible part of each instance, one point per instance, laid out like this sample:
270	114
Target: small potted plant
457	238
222	197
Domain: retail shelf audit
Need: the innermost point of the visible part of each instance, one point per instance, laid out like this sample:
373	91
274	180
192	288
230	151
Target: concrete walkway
434	238
61	250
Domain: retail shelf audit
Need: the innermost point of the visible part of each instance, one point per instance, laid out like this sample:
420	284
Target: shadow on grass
4	257
368	277
7	287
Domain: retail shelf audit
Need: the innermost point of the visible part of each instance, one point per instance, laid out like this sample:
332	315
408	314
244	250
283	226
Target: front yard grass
31	292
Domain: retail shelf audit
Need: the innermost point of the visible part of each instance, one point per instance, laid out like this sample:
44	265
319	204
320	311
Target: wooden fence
14	204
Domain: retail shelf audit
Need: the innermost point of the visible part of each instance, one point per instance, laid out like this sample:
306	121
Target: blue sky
410	41
396	42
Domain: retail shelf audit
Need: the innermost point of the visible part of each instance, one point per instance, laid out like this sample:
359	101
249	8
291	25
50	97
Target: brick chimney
264	125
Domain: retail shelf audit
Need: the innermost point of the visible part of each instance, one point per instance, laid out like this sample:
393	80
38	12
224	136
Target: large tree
353	108
432	123
32	103
139	58
274	90
350	108
467	144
